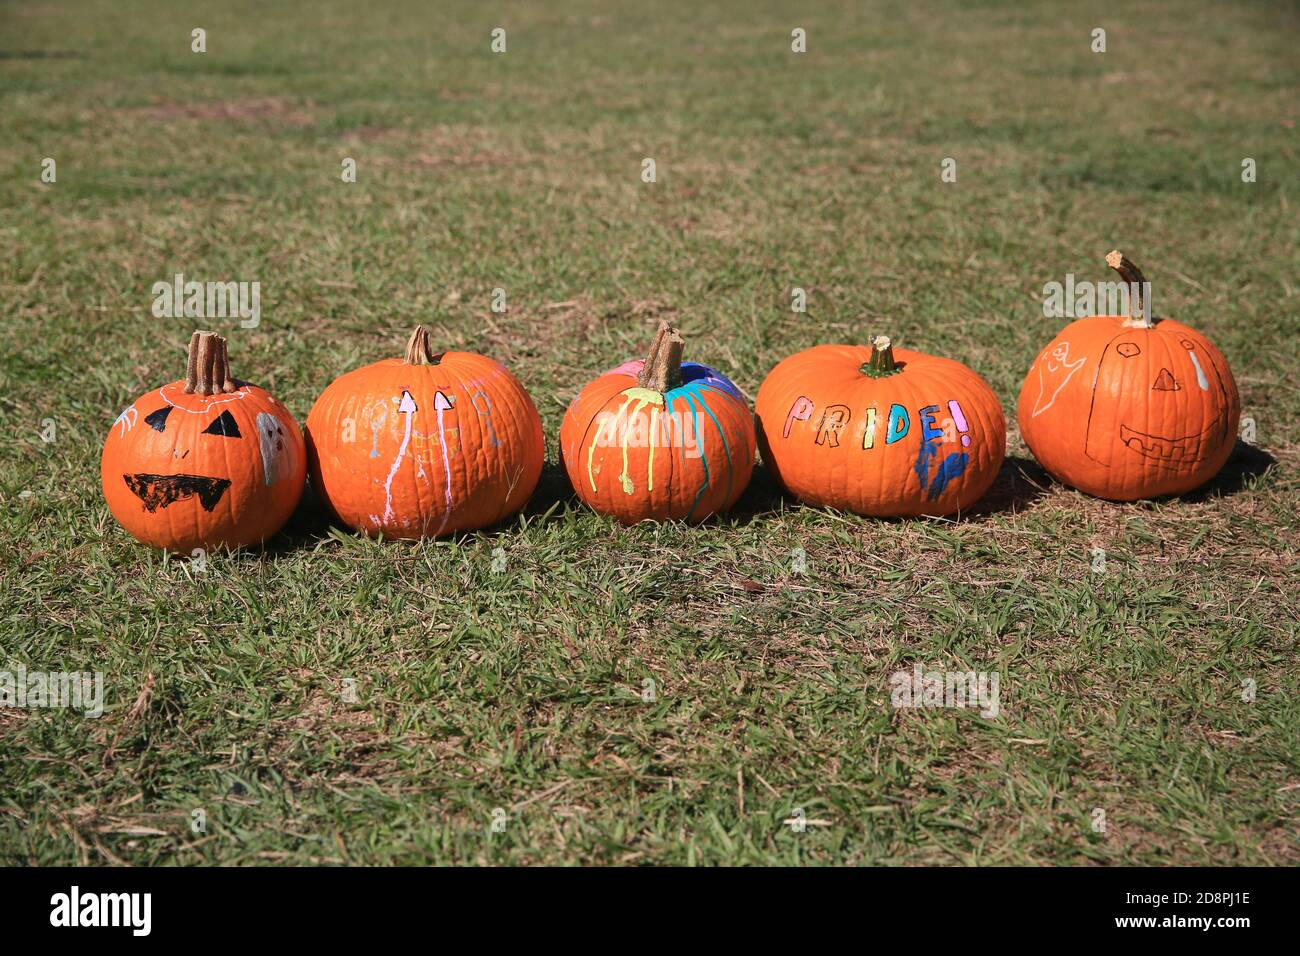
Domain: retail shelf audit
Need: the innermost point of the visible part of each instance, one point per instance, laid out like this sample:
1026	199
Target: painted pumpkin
659	439
1126	406
207	462
880	431
427	445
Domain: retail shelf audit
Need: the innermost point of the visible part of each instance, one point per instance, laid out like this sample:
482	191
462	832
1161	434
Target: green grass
522	689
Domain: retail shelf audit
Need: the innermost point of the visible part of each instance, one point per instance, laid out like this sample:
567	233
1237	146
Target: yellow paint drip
642	397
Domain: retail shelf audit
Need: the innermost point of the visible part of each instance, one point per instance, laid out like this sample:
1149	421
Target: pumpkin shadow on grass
762	497
553	488
312	521
1244	465
309	524
1019	482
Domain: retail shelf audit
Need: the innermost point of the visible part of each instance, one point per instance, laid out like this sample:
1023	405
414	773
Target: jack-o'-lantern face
1168	400
182	470
1130	406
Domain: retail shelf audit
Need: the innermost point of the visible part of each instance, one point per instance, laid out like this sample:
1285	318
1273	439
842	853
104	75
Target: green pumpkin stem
663	363
882	361
1136	282
207	370
418	349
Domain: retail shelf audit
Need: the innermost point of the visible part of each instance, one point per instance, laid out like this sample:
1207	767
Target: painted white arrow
443	404
408	408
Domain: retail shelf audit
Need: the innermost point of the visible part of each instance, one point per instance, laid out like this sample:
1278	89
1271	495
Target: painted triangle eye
223	424
158	420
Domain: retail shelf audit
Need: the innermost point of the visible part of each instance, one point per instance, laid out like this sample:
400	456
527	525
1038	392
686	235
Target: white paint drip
407	408
442	403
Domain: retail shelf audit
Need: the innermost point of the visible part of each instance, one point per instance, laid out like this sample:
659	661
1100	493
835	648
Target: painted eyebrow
223	424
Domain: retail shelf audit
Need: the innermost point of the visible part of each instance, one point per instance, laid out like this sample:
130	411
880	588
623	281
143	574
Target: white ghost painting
277	454
1054	371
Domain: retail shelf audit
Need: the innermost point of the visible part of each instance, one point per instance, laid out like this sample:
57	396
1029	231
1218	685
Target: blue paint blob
922	466
695	372
951	467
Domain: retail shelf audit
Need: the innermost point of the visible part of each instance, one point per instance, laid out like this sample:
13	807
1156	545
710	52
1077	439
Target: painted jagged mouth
1172	451
160	491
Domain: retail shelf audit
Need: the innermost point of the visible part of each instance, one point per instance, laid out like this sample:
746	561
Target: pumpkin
207	462
424	446
659	438
1126	406
880	431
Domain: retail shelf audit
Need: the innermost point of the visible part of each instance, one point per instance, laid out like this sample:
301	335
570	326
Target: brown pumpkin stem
663	363
418	349
207	370
882	361
1136	283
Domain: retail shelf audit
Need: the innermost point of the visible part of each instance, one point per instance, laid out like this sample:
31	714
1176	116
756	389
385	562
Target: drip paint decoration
207	462
659	439
428	445
880	431
1128	407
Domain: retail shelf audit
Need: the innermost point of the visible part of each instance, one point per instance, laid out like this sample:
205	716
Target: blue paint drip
697	381
922	466
699	389
704	459
951	467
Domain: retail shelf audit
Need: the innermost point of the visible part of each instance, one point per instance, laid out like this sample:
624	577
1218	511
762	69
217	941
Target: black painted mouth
159	491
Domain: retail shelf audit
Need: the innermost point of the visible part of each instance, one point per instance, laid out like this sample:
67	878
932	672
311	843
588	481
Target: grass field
521	689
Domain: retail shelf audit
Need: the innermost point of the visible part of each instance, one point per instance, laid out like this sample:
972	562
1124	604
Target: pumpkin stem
1137	283
418	350
882	361
207	370
663	363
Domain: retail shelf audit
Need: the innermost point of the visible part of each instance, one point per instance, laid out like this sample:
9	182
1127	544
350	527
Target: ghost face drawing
1162	399
1055	369
279	460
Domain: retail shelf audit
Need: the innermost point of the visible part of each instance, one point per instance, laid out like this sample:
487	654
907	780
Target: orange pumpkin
1128	407
880	431
659	439
428	445
207	462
